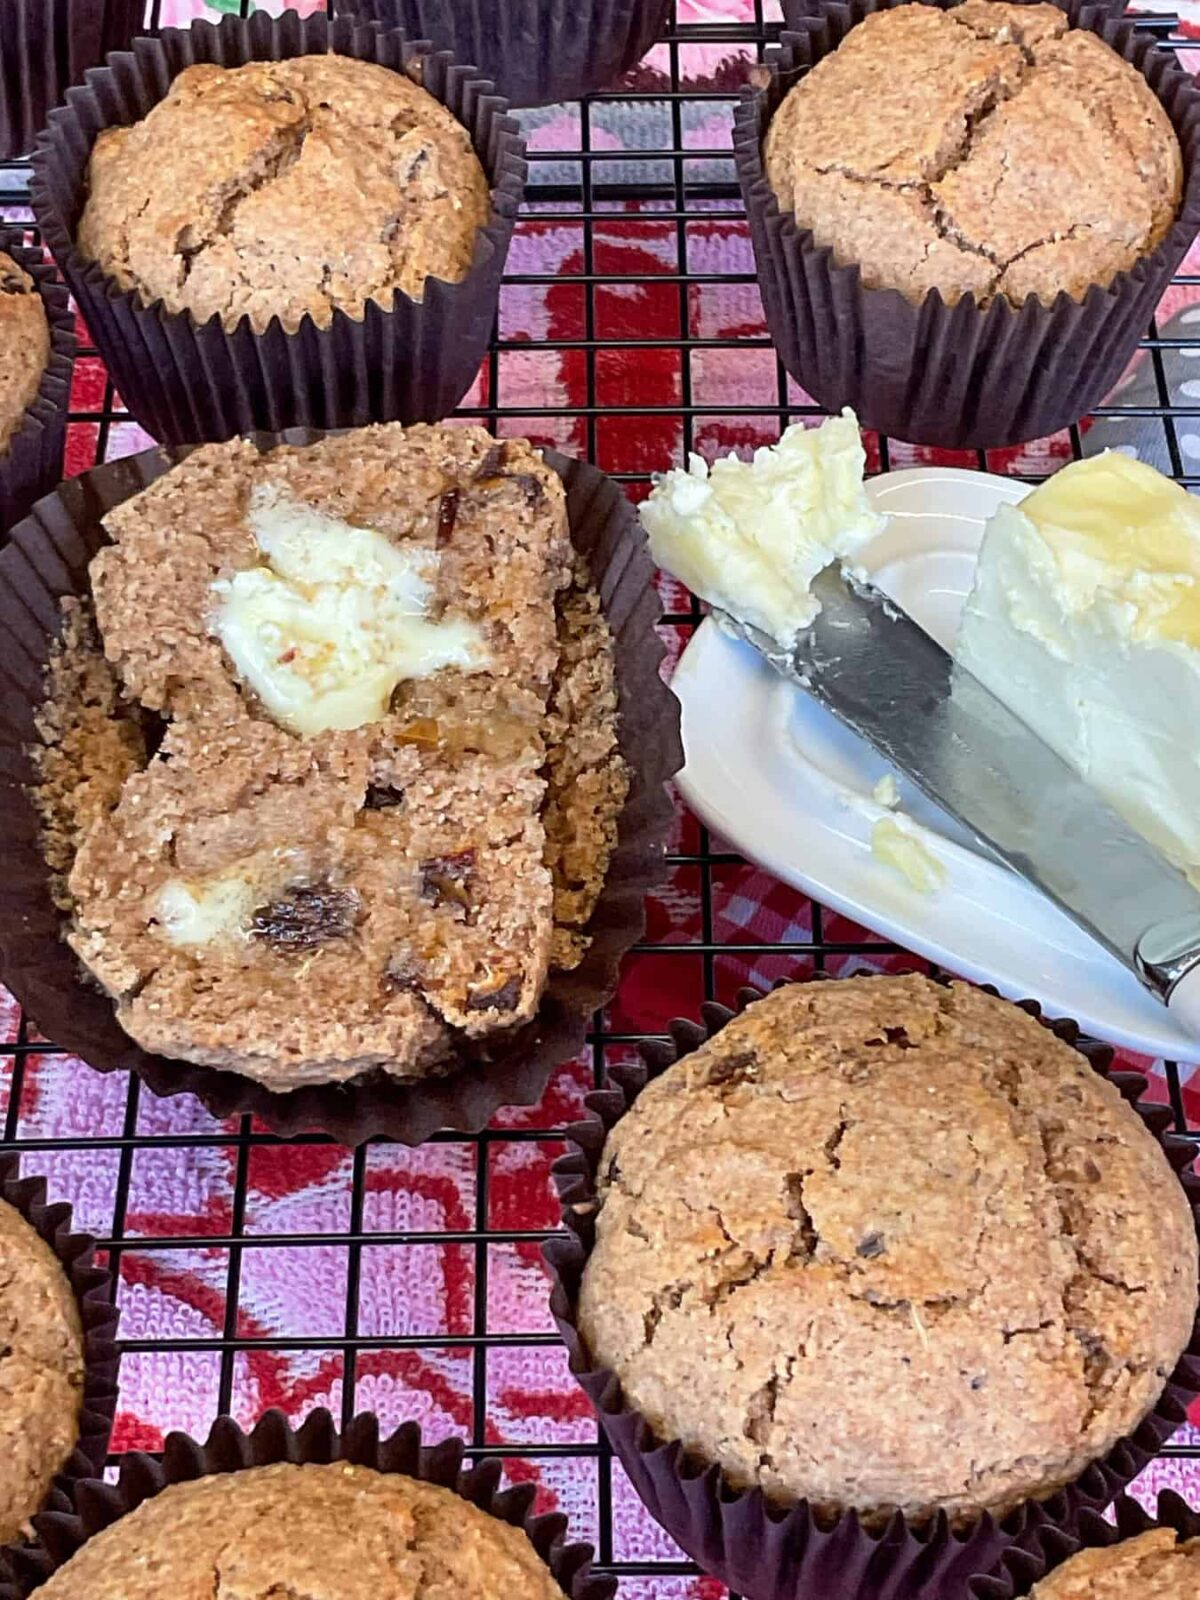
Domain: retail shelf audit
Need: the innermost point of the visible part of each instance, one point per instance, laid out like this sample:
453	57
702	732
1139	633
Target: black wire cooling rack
656	151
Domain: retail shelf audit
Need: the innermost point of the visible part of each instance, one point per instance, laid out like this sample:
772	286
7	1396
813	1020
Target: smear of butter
886	792
904	852
193	914
335	618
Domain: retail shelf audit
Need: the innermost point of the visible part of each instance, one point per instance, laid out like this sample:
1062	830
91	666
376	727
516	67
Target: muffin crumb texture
24	345
298	835
989	150
587	781
91	740
887	1245
41	1372
331	1532
1154	1566
285	189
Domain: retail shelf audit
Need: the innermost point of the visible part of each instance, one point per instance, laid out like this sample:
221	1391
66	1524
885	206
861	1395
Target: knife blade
884	677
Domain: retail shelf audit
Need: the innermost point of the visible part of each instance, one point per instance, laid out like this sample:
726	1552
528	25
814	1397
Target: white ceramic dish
785	784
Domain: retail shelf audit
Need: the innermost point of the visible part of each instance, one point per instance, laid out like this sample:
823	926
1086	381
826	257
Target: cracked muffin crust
208	203
1154	1566
886	1245
312	885
41	1374
335	1532
24	343
989	149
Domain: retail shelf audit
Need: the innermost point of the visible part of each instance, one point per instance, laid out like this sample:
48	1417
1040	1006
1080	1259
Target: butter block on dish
1085	620
750	536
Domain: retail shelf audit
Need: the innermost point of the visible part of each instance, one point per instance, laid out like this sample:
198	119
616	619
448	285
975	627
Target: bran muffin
274	874
25	344
477	509
328	1532
41	1374
989	149
207	205
1154	1566
884	1245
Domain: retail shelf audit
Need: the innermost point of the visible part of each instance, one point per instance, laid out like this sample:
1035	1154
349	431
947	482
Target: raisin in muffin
41	1375
350	797
25	343
989	149
886	1245
1154	1566
337	1532
210	203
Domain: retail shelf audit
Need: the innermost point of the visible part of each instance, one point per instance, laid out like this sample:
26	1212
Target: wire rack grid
256	1272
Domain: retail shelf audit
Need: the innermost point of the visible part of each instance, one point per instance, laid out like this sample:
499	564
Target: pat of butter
886	792
904	852
335	619
750	536
192	915
1121	538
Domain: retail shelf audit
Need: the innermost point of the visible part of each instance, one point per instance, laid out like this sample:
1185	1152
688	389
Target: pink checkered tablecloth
195	1271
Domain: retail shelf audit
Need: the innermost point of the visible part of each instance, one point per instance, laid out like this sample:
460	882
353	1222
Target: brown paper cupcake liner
537	52
1021	1569
187	382
48	558
93	1290
317	1442
930	373
32	464
47	45
782	1553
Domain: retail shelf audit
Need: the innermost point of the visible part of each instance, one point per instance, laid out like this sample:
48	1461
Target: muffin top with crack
887	1245
285	189
24	346
989	149
329	1532
1154	1566
41	1373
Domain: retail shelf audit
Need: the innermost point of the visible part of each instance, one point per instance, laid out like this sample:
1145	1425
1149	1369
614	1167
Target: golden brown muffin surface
884	1244
41	1373
285	189
987	150
1154	1566
24	346
336	1532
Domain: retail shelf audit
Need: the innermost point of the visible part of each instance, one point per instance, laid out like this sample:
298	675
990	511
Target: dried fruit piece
309	916
383	797
492	472
447	516
492	465
445	880
505	998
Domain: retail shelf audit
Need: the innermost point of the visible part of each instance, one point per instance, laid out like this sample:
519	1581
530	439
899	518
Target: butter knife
885	678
